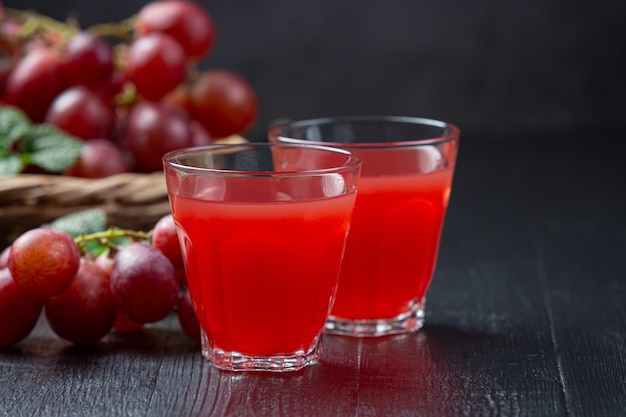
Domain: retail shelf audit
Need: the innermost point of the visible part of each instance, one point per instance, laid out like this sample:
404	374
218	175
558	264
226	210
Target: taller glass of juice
408	166
263	230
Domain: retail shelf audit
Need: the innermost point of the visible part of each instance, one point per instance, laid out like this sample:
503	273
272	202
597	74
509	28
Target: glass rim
353	161
451	131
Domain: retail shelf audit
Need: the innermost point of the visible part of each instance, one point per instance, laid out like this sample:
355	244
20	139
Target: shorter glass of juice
406	179
263	229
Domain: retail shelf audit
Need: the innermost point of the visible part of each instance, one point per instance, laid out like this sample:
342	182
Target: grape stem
34	23
123	30
107	237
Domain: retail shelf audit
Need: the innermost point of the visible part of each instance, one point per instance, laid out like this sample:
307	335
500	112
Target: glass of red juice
263	230
406	179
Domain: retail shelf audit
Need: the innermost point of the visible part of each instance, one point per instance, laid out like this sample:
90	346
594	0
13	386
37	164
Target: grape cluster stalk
83	296
131	90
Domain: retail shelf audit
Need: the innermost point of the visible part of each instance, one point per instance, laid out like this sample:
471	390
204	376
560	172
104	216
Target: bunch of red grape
132	90
84	297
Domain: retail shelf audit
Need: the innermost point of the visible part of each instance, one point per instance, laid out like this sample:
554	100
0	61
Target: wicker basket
131	200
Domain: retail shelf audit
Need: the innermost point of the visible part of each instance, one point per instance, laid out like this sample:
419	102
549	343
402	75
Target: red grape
223	102
125	325
110	86
156	64
165	238
154	129
34	82
99	158
178	97
182	276
144	283
4	257
199	135
105	262
44	261
10	41
19	310
6	65
84	313
185	21
187	318
122	323
87	59
82	113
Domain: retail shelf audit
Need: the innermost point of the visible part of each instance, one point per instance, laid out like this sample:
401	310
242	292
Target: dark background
502	69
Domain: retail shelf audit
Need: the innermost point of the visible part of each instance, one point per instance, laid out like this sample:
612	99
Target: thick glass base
235	361
408	322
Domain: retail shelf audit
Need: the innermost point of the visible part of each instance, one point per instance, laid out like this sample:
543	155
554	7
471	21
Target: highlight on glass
391	254
263	230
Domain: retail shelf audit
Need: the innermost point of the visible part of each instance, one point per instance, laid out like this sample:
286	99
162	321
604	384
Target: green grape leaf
13	125
123	240
50	148
82	222
11	164
95	248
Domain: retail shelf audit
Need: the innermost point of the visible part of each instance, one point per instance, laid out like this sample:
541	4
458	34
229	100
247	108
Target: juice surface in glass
254	269
393	243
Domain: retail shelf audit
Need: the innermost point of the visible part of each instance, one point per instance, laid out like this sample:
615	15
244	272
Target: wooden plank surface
526	317
579	236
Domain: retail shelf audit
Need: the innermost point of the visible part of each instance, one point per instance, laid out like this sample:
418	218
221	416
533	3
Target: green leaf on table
50	148
82	222
13	125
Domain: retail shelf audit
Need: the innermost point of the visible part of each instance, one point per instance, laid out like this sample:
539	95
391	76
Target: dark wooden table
526	317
